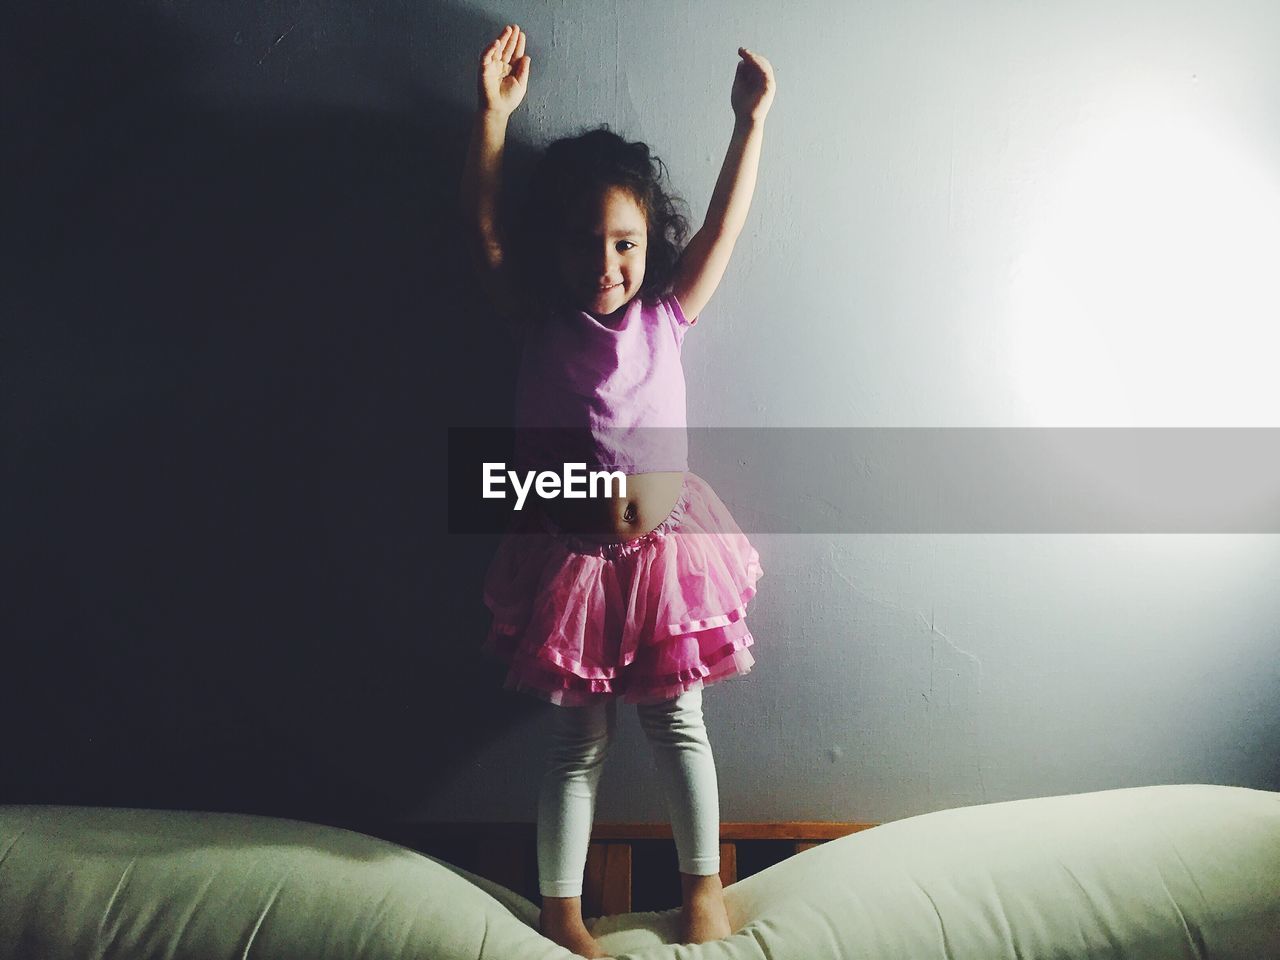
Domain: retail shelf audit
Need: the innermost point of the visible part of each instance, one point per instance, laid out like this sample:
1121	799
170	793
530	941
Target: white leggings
567	800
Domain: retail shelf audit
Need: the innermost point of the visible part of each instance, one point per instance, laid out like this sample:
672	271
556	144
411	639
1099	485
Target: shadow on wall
240	330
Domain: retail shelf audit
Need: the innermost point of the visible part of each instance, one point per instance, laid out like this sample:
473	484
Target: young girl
639	595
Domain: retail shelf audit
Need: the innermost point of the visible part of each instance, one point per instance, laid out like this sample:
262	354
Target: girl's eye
625	245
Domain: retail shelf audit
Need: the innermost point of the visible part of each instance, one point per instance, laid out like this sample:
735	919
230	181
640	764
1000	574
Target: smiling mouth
608	288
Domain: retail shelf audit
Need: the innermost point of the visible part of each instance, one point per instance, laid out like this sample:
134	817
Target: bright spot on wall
1148	289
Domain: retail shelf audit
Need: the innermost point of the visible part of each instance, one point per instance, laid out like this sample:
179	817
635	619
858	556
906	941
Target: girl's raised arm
707	255
501	87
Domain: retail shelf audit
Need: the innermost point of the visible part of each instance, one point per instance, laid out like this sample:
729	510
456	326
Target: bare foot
703	920
572	936
703	916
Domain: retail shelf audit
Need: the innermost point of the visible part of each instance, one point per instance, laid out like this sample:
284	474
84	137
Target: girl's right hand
501	85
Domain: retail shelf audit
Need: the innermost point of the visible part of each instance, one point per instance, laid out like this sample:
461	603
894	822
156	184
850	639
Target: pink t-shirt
612	397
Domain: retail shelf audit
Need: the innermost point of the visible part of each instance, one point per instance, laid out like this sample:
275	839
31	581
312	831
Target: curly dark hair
573	169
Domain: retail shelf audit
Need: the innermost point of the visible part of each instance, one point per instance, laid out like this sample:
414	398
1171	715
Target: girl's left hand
753	86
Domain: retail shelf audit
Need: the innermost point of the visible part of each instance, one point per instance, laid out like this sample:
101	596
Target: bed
1165	871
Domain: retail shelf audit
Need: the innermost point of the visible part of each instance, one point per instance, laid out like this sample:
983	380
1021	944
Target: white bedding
1165	872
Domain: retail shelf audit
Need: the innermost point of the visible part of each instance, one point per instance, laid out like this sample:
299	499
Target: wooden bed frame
506	853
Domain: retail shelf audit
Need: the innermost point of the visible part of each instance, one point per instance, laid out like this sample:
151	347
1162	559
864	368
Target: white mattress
1161	872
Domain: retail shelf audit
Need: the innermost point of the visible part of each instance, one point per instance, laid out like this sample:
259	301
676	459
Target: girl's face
602	252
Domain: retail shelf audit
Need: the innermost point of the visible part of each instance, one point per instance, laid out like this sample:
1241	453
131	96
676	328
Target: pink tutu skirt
578	621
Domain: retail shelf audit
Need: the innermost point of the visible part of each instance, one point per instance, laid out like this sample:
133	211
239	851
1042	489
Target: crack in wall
934	633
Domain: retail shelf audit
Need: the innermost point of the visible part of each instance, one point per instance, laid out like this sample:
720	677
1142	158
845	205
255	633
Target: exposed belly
649	500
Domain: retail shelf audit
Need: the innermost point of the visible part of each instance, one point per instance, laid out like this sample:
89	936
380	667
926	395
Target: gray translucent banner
994	480
976	480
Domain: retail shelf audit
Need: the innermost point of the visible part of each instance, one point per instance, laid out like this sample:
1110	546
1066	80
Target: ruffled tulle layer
644	620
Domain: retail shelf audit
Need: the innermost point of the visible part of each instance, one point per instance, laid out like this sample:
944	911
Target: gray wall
240	330
980	214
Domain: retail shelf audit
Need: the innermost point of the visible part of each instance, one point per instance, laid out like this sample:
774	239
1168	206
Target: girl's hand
753	86
501	85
